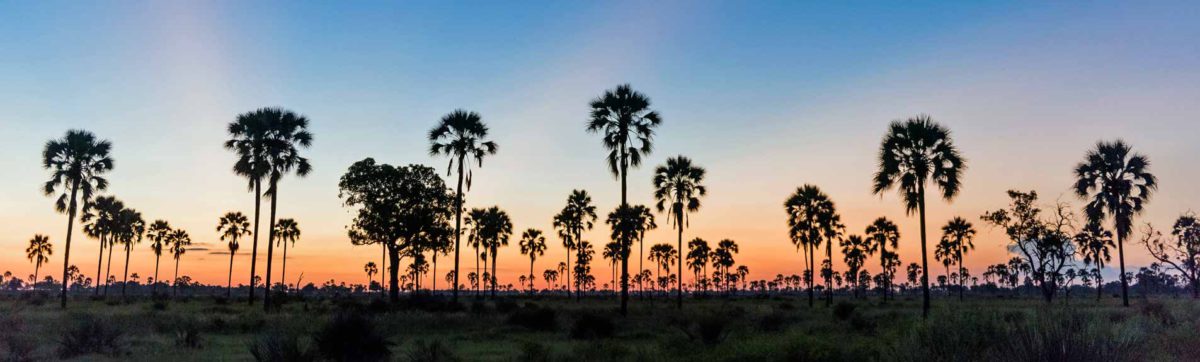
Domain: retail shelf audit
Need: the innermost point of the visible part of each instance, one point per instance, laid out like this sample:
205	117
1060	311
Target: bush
843	310
535	318
187	335
1158	312
505	306
775	321
708	328
434	351
351	337
276	347
89	335
534	352
592	326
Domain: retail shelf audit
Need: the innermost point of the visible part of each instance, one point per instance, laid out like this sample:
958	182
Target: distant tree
130	232
742	272
1181	251
697	260
612	253
77	162
1117	184
230	227
159	234
460	135
723	258
626	223
551	277
179	241
493	230
250	138
914	152
583	268
38	252
678	188
663	256
854	249
880	234
1045	244
915	274
646	218
1093	244
287	231
533	244
101	223
813	220
371	269
577	216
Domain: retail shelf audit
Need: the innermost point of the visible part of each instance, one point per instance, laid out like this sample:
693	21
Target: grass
541	329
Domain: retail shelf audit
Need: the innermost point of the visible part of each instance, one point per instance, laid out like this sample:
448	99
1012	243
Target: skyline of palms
77	162
678	184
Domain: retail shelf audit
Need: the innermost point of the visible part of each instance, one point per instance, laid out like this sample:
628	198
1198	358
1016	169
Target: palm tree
813	220
944	252
132	228
854	249
102	225
492	227
1117	183
179	241
77	162
534	245
697	259
880	234
1094	244
664	255
39	252
612	252
961	233
646	218
577	216
288	232
288	132
370	269
627	123
159	234
914	152
625	222
458	135
250	139
723	258
678	184
231	227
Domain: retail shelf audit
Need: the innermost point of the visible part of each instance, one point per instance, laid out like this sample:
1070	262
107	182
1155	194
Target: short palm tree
961	234
625	223
370	269
533	243
854	251
881	234
678	186
664	256
459	135
179	243
697	260
288	231
577	216
231	227
1094	243
39	252
913	153
77	162
101	223
723	258
132	229
159	234
493	228
813	220
1117	183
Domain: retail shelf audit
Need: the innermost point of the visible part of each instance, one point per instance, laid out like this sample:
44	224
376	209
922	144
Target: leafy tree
39	252
915	152
1093	244
880	234
178	241
1181	251
1045	244
397	207
371	269
678	185
533	244
287	231
232	226
813	220
460	135
159	234
1117	183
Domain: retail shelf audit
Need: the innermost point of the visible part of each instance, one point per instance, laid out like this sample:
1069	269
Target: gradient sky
766	95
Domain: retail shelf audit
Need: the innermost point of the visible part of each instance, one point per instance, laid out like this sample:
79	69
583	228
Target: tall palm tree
881	234
533	243
370	269
1117	183
612	252
250	138
179	243
944	252
288	133
231	227
625	222
646	218
39	252
459	135
101	223
813	220
678	184
1094	243
961	233
697	260
627	123
288	232
915	152
77	162
160	238
132	229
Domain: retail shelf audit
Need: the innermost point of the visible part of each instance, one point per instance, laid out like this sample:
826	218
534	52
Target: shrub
535	318
159	305
592	326
434	351
1158	312
187	335
534	352
775	321
708	328
1072	337
351	337
276	347
843	310
90	334
505	306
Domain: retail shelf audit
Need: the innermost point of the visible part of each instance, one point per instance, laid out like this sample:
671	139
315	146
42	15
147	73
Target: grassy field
553	329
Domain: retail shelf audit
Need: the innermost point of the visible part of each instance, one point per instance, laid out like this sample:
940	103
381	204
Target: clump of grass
279	347
351	336
592	326
534	318
91	335
535	352
431	351
187	335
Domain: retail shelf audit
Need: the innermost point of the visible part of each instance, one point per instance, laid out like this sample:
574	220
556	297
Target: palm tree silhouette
914	152
880	234
458	135
232	226
77	162
370	269
813	220
612	252
664	256
475	219
625	118
102	225
678	184
647	219
1117	183
960	232
288	231
577	216
492	229
39	252
160	237
179	241
534	245
288	131
250	139
723	258
132	228
854	249
944	252
1094	243
697	260
625	223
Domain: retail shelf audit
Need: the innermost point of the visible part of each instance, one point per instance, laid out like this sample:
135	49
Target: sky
766	95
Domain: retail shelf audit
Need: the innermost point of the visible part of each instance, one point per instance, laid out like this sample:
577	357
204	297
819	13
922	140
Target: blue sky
766	95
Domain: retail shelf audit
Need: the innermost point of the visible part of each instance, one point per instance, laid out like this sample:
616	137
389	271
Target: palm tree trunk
382	264
829	280
458	226
568	273
478	275
887	279
924	254
254	246
36	267
961	277
578	259
394	271
435	274
531	273
175	285
229	282
108	269
125	281
625	254
1124	282
67	252
812	275
283	273
679	284
100	265
270	245
493	278
154	288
